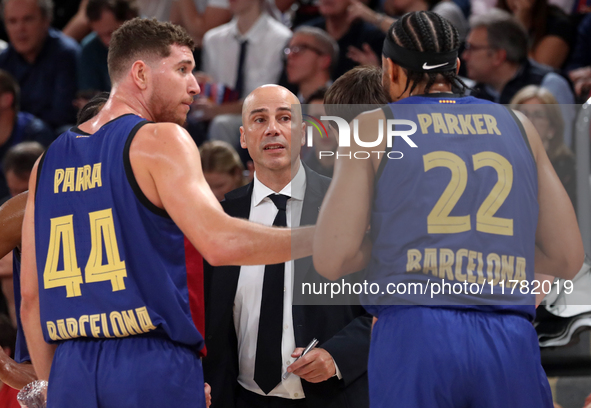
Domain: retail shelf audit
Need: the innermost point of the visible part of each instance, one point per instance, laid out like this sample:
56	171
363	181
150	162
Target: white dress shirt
267	39
247	303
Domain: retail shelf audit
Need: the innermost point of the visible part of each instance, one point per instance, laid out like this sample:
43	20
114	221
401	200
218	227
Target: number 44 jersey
110	264
454	218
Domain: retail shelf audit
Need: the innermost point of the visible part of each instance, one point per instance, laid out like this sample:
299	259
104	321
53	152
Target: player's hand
314	367
365	56
207	395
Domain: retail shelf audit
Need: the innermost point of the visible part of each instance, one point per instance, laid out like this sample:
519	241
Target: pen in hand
308	348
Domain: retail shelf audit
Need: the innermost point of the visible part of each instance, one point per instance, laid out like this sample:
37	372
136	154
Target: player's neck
437	87
120	103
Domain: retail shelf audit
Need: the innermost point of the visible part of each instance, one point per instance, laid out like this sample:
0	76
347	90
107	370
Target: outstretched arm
167	166
12	213
341	245
13	374
559	248
40	351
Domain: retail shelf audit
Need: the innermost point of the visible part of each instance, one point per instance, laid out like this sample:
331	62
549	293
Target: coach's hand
314	367
207	395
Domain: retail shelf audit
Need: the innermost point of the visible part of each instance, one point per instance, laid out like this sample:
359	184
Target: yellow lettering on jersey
61	239
83	319
438	123
479	270
507	269
102	231
96	176
460	276
424	121
493	260
413	263
452	124
72	326
117	325
87	177
479	124
80	182
144	318
471	266
520	269
58	178
467	128
430	264
95	330
105	326
51	329
446	261
130	322
491	124
69	180
61	328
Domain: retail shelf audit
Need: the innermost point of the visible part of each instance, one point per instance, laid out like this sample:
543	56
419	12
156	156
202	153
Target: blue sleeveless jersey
459	209
110	264
21	352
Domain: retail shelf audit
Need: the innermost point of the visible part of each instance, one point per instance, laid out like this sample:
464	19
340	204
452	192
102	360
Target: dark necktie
268	361
240	74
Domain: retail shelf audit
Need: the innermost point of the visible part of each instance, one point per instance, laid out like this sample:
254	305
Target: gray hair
46	7
504	33
324	41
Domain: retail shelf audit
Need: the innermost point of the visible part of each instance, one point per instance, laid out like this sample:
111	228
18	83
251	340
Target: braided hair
425	31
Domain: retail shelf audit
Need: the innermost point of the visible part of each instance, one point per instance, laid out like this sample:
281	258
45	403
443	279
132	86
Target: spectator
550	30
253	38
104	16
350	35
445	8
18	163
42	60
342	99
7	341
198	17
496	58
222	167
579	66
15	126
311	57
541	108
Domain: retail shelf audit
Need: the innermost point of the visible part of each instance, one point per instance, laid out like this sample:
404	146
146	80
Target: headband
420	61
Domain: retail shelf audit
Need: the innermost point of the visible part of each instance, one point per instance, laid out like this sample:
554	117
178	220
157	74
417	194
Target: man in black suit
251	347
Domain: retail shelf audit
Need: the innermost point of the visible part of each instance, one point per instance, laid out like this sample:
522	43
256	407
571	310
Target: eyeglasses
296	49
472	48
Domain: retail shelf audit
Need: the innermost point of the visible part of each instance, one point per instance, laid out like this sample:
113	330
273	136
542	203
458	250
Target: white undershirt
247	303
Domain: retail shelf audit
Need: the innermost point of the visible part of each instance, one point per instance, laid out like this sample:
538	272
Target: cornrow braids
425	31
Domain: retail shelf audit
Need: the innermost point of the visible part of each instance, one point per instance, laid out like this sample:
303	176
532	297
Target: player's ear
242	138
140	74
458	67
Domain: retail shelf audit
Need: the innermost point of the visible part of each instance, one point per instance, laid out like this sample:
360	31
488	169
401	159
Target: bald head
259	99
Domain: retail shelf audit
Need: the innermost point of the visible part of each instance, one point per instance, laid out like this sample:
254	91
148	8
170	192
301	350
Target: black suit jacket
343	330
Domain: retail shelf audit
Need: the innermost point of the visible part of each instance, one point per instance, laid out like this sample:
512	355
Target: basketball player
103	247
475	200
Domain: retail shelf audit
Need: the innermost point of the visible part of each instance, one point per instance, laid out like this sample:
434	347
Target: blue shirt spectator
47	84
